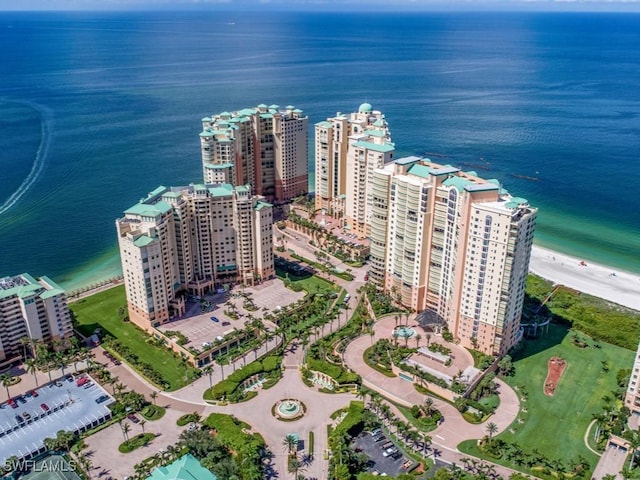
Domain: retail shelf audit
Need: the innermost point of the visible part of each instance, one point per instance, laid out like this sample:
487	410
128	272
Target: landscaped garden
548	434
106	311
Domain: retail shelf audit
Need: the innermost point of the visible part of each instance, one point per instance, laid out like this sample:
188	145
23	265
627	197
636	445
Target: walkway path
455	428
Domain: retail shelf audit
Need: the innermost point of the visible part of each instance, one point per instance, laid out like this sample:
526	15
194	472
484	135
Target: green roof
266	115
260	205
143	241
51	293
222	190
246	112
171	195
458	182
25	286
186	467
218	166
377	133
274	107
149	209
242	188
384	148
324	124
365	108
419	170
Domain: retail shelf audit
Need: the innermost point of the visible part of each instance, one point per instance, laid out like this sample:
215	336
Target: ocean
97	109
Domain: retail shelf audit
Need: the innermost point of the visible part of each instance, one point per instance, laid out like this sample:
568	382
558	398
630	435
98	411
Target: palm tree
208	370
294	465
126	428
220	361
418	338
290	443
634	443
6	380
492	428
24	341
153	396
142	423
32	368
428	337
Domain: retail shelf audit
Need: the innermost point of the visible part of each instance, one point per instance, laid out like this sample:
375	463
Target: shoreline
608	283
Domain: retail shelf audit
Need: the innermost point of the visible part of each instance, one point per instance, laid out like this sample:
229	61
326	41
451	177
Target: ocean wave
38	162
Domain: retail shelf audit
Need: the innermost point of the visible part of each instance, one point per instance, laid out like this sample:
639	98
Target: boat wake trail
38	163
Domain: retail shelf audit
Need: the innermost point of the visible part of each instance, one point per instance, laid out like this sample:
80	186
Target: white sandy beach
601	281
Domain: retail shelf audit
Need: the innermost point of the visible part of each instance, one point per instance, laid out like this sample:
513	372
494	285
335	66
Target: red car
34	393
81	381
44	407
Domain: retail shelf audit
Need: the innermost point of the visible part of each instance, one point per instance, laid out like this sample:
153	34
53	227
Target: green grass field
101	311
555	425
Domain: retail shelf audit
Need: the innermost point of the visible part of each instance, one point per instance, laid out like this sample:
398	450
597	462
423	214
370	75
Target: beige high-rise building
348	148
194	238
33	309
265	147
632	398
453	246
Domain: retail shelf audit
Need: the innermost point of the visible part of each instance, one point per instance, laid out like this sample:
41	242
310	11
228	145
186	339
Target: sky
324	5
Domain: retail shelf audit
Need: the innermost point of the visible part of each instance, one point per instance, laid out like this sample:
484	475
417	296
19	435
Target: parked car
34	393
133	418
389	451
27	416
21	399
19	419
215	319
44	407
102	398
226	324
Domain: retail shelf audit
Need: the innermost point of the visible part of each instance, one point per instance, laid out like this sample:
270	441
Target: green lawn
101	311
555	425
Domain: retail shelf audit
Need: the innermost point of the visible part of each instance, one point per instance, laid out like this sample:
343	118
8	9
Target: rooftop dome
365	108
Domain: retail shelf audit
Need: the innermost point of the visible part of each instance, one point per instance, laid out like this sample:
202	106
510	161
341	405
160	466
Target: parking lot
198	326
391	465
60	405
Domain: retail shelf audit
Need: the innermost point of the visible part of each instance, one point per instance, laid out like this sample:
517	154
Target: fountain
289	409
404	332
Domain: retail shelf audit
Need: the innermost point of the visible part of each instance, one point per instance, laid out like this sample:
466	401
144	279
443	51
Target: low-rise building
33	310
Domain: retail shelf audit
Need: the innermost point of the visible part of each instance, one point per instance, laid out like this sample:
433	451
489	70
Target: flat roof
383	148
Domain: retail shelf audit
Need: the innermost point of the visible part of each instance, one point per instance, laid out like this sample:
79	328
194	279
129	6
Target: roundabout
289	409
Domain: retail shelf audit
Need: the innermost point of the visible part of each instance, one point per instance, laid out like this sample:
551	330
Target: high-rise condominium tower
32	309
348	148
632	398
191	238
453	246
265	147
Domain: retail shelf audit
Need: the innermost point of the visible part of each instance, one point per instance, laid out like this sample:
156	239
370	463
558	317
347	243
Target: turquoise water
96	109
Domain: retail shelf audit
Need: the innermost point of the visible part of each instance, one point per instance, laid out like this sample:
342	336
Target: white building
194	238
33	309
